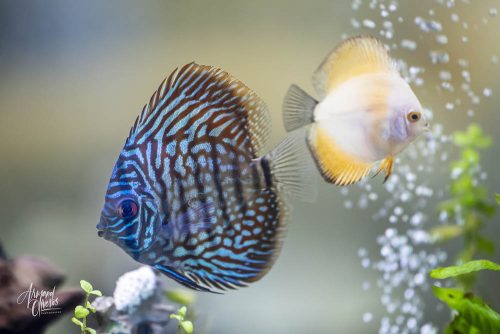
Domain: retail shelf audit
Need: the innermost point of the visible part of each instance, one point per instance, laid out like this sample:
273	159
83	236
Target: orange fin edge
386	165
335	165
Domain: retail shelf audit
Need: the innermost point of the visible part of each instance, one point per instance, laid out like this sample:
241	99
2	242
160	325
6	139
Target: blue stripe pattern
204	215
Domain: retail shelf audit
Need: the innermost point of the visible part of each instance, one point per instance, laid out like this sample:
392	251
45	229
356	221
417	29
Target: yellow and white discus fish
367	113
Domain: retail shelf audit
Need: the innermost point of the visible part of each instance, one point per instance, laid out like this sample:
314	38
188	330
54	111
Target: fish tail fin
298	108
292	167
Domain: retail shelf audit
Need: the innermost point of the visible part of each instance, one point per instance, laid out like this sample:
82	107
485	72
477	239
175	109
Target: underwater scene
250	167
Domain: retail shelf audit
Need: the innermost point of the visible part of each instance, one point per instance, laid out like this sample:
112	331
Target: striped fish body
189	194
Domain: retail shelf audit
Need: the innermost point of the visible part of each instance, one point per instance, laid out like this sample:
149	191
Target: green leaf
187	326
460	325
90	307
472	310
86	286
81	312
485	245
497	197
175	316
76	321
90	330
182	312
472	137
181	297
466	268
445	232
96	292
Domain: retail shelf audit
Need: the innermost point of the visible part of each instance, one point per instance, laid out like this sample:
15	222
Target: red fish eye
128	209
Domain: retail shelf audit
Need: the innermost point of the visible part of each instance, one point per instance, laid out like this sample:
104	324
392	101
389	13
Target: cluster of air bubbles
428	25
405	204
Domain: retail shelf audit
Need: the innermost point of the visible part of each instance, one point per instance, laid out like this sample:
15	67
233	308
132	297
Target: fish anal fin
336	165
386	165
353	57
182	278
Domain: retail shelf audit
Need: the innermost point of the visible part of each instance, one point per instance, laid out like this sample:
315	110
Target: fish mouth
101	229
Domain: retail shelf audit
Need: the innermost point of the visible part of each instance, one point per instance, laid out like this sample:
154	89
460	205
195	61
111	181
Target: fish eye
128	209
413	116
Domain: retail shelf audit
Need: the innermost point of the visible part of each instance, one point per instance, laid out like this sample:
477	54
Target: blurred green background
74	75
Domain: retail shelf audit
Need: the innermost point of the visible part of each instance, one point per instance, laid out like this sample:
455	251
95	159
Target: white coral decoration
133	288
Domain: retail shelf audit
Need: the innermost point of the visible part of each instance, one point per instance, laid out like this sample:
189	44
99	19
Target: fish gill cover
406	250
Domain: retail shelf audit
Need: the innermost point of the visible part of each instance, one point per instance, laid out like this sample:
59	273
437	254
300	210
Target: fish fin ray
292	167
386	165
335	165
354	56
298	108
181	278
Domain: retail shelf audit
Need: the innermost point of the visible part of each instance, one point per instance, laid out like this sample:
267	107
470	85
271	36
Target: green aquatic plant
466	268
183	324
83	311
181	296
472	314
469	204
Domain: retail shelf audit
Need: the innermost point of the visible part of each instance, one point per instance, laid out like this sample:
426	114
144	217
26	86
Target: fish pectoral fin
354	56
386	165
336	165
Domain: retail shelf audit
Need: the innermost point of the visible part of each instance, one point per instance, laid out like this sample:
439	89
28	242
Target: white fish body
365	114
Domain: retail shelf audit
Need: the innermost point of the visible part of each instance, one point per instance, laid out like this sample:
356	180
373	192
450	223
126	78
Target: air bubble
367	317
369	24
362	252
445	75
428	25
419	279
439	57
442	39
408	44
412	323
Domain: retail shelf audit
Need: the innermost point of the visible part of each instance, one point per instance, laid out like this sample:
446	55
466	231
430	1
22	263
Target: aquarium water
406	202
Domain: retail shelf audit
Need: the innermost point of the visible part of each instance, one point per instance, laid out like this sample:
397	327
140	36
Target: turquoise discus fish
190	195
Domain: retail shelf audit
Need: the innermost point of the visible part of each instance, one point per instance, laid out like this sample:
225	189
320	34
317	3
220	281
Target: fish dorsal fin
204	99
336	165
354	56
